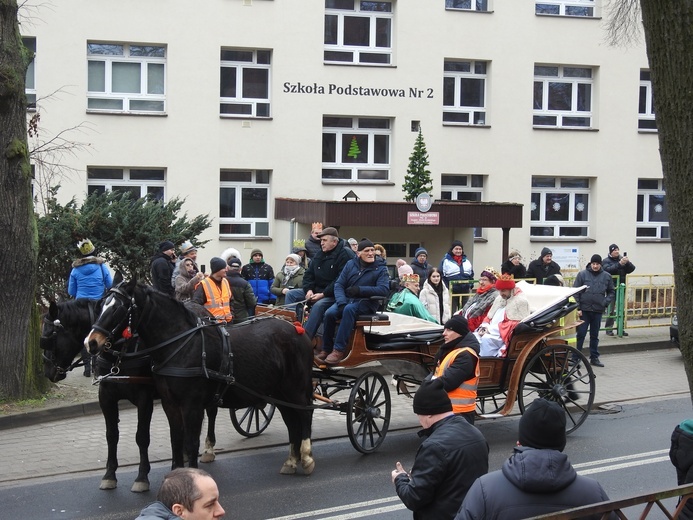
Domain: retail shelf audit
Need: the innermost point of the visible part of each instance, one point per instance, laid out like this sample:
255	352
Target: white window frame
249	180
543	190
129	100
256	106
360	53
30	82
567	8
564	118
97	177
644	222
482	6
359	171
646	114
469	188
475	115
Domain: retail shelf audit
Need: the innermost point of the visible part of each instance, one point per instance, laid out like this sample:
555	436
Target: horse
65	326
197	363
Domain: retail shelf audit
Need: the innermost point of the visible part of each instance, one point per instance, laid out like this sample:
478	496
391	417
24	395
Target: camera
625	254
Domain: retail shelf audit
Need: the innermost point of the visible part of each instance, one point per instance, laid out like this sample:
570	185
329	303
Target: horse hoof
207	457
108	484
140	487
288	469
308	467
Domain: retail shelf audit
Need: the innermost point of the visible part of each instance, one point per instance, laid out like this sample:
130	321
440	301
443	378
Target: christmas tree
418	178
354	149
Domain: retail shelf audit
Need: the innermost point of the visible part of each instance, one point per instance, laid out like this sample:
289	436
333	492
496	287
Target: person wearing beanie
244	300
477	307
538	478
592	302
509	308
435	297
619	266
452	455
360	279
514	266
406	301
302	253
214	292
421	266
457	366
543	267
681	456
290	277
161	267
456	269
260	276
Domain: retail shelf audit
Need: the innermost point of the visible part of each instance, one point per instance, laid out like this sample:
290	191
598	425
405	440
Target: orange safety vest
463	397
217	299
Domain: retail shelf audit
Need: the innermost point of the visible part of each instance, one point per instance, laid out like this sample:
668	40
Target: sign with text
567	257
423	219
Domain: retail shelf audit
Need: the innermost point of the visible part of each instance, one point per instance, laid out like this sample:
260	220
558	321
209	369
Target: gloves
352	292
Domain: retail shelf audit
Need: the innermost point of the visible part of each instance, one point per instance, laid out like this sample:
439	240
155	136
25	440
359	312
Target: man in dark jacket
421	266
260	276
681	456
319	278
592	303
244	300
543	267
620	266
162	266
360	279
537	478
451	457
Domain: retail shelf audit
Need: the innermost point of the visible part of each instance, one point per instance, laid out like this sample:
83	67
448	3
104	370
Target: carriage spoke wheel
490	404
368	412
562	374
251	421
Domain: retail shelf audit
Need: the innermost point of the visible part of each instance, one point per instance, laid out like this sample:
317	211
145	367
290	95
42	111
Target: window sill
341	182
647	131
465	125
480	240
123	113
245	238
352	64
555	240
457	10
568	16
248	118
565	129
652	240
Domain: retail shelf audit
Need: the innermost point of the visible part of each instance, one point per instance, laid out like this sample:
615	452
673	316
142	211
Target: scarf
289	271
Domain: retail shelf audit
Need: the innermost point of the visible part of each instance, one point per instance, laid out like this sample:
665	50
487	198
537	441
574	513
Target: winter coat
260	277
431	302
281	282
681	456
185	285
162	270
405	302
157	511
244	300
423	270
452	271
518	271
324	269
600	290
477	307
372	280
530	483
451	457
313	247
89	278
539	270
613	266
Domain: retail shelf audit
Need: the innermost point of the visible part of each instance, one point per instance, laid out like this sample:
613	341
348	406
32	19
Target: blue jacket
89	278
156	511
260	277
372	280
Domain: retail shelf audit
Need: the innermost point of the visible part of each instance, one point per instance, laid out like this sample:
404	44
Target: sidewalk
79	431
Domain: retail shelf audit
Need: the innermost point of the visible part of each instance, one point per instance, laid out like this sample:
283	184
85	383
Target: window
653	214
646	115
565	7
245	83
464	92
467	5
139	182
30	44
126	78
560	207
355	149
357	31
244	203
463	187
562	96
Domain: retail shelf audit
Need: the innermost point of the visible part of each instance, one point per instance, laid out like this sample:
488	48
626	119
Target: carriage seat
364	320
405	341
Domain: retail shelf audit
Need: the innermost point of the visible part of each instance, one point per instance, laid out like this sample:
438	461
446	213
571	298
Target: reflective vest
463	397
217	299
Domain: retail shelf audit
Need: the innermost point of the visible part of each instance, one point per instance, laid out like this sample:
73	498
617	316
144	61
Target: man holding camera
620	266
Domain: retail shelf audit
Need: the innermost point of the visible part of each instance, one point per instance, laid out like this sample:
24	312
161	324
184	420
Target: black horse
65	326
194	364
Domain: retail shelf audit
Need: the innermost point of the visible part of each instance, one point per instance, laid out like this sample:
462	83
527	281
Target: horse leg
109	409
193	416
145	408
208	453
175	425
305	419
290	465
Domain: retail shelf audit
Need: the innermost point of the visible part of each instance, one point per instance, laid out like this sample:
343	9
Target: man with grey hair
188	493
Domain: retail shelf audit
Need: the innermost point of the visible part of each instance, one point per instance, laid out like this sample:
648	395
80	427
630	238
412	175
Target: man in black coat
162	265
543	267
620	266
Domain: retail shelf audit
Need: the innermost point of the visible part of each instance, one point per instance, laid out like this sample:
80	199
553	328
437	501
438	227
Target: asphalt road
626	451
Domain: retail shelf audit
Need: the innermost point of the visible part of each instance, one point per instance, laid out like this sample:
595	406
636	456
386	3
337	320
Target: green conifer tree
354	150
418	178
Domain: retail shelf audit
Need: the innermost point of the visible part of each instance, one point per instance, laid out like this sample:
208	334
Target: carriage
540	363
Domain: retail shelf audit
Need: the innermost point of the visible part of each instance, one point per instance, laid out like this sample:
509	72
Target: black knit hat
612	247
166	245
458	324
216	264
364	244
542	426
596	258
431	398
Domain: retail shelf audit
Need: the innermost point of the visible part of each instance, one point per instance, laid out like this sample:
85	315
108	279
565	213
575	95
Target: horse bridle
48	343
124	322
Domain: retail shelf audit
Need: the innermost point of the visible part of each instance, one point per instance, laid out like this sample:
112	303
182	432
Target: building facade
233	103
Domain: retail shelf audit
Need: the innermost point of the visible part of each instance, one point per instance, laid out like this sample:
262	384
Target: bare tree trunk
17	222
668	28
